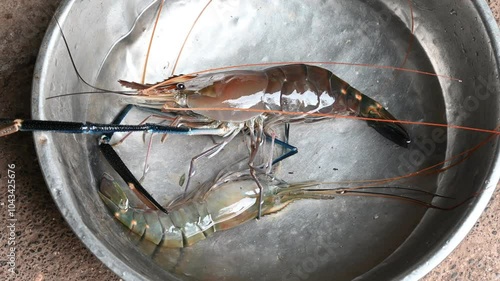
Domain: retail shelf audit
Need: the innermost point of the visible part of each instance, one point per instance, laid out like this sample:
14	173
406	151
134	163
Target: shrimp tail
369	108
153	225
115	200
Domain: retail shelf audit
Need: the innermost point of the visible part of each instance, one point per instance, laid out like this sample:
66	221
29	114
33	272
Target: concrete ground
46	247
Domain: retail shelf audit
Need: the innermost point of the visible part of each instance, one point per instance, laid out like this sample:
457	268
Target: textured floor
48	250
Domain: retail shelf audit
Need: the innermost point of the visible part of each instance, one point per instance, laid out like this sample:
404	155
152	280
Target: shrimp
259	100
229	202
240	97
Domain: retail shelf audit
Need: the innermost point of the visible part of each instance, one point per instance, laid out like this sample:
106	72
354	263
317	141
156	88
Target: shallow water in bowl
345	237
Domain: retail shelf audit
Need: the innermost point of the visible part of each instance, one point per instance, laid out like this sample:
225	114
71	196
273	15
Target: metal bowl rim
425	266
123	271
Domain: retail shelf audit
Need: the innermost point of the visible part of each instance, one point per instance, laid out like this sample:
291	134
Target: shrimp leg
209	152
292	150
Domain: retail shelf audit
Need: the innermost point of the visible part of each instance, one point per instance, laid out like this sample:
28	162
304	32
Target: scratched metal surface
372	32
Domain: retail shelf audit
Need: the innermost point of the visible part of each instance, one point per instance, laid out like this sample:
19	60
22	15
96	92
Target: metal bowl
344	239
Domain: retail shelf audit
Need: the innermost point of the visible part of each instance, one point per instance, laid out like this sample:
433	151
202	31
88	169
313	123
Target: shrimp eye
180	86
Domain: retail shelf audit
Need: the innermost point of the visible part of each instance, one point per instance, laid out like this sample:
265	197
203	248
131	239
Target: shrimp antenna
407	199
406	188
348	192
160	7
124	93
98	90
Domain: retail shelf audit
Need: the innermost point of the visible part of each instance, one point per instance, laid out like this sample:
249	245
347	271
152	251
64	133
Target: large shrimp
236	99
232	101
229	202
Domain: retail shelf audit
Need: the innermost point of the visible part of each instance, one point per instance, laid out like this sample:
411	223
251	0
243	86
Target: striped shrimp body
230	202
295	88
